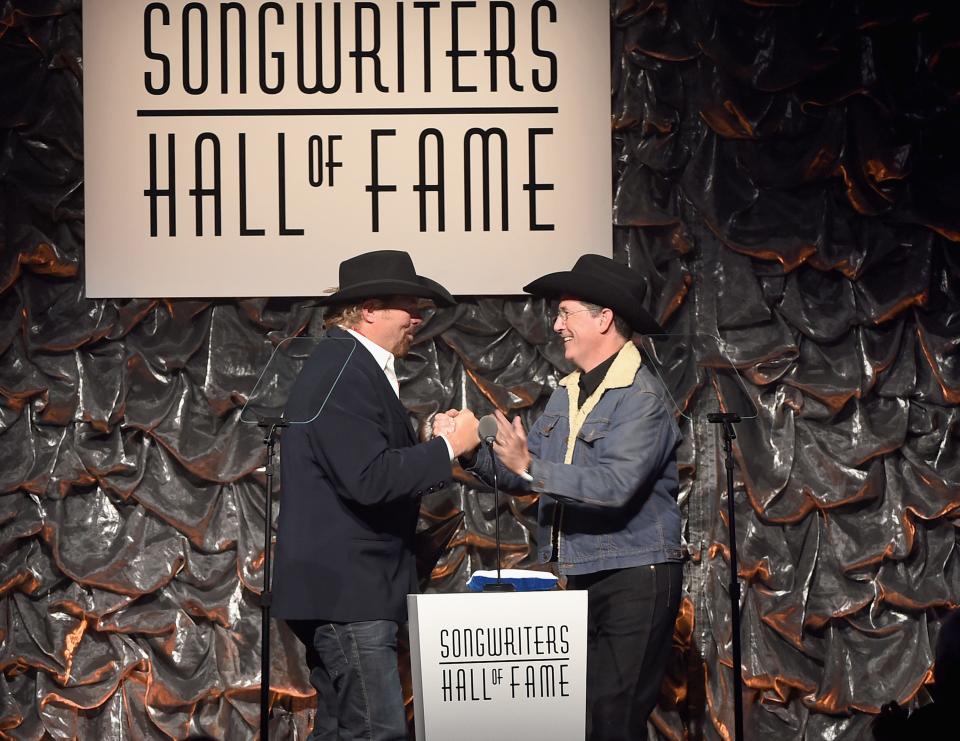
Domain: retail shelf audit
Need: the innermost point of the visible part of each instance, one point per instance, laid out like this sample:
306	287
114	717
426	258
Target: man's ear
367	309
606	320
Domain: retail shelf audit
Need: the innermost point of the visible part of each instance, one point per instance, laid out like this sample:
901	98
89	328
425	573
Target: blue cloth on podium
523	580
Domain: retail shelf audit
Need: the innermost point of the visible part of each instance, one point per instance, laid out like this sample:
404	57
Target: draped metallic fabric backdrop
786	173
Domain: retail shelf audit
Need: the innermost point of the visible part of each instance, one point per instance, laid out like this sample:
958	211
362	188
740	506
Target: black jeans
630	618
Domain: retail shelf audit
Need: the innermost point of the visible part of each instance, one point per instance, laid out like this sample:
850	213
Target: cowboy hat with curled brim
384	273
599	280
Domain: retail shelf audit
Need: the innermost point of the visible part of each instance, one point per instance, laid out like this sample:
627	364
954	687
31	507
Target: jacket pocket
590	431
387	550
546	424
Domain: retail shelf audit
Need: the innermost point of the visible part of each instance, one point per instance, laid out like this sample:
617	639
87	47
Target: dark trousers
630	618
353	667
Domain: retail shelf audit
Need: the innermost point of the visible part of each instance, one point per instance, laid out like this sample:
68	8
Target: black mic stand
272	425
727	420
498	585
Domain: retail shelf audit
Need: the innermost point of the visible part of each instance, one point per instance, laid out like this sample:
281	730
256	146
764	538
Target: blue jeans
353	667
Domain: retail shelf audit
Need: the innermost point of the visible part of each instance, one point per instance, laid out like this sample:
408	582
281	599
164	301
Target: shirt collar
620	374
383	357
590	380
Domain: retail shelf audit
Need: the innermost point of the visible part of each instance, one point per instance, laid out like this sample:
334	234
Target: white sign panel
499	665
245	148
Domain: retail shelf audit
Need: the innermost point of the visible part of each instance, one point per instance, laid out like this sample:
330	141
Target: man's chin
403	347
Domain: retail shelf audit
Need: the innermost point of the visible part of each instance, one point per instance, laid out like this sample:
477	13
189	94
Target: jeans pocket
329	642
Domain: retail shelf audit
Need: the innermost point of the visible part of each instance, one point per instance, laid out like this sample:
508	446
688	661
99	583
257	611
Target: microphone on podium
487	431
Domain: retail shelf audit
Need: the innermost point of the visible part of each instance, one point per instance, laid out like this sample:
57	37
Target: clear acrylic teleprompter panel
271	396
685	363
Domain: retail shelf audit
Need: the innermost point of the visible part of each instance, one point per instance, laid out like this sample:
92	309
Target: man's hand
444	423
463	437
510	444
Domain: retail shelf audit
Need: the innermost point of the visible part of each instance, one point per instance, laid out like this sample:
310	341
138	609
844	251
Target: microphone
487	428
487	431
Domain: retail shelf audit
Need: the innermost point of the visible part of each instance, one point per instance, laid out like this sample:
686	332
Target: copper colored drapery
786	174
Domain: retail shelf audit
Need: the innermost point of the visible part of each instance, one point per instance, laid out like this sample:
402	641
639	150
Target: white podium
499	665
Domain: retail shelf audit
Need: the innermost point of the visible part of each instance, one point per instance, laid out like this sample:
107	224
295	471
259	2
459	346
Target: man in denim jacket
603	458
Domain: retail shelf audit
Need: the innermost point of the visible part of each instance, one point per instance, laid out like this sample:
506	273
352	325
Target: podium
499	665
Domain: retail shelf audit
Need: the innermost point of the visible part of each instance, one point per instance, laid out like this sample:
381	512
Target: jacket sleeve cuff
449	447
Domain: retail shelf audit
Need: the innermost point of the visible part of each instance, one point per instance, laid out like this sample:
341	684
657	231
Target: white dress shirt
387	362
382	356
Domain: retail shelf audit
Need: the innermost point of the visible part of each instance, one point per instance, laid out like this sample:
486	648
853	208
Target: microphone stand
272	425
498	586
727	420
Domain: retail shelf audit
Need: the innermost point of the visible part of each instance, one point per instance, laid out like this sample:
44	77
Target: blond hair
347	315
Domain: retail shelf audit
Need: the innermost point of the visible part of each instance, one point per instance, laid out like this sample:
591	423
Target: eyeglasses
563	314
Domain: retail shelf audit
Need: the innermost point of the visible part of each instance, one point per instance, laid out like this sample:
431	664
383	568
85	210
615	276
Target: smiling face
588	332
580	330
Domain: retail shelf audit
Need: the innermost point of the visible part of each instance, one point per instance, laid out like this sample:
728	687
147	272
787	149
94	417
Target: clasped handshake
461	429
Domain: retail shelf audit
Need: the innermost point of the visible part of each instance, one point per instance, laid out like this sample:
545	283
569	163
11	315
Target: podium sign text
499	665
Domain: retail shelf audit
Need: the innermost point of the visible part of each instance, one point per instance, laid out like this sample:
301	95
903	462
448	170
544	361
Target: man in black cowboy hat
352	482
603	458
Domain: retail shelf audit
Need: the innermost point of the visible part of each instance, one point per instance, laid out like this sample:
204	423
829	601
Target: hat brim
602	293
421	288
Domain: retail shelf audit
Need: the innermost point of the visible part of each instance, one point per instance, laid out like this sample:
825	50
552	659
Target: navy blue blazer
351	482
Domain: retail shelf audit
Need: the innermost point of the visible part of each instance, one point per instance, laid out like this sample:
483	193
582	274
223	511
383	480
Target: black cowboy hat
601	281
384	273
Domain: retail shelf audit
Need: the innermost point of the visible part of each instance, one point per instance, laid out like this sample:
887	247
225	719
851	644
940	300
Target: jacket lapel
366	364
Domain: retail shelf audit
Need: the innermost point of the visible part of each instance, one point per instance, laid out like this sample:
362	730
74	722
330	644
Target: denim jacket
608	491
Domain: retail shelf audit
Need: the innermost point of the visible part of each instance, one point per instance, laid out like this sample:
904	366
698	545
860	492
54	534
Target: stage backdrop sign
246	148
